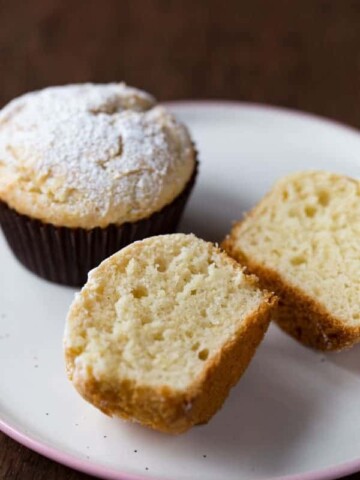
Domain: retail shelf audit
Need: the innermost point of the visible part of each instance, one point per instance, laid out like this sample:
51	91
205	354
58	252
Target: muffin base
66	255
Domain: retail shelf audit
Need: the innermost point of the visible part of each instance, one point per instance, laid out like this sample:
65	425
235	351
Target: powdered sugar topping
96	154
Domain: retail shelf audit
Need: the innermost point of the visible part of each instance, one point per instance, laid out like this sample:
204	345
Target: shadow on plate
211	213
262	422
348	360
265	417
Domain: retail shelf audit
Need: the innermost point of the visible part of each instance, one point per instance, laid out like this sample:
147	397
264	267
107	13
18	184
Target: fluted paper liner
66	255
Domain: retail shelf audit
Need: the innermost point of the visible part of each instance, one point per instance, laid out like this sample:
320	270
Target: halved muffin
162	330
303	242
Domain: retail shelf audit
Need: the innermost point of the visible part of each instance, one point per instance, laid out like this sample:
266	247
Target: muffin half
303	242
162	330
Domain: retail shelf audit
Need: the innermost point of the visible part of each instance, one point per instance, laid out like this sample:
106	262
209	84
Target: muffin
162	330
85	170
303	242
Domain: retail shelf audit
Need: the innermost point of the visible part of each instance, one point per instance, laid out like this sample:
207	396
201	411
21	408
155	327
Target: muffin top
91	155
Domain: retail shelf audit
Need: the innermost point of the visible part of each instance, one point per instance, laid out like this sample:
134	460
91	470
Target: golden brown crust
231	362
174	411
297	314
165	408
116	129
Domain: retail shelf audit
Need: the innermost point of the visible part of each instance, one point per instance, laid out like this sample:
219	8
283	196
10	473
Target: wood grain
19	463
302	54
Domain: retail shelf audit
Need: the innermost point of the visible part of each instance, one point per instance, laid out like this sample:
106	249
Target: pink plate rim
277	109
99	471
85	466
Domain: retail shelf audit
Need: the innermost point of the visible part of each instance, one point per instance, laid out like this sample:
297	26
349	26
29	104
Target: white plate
295	413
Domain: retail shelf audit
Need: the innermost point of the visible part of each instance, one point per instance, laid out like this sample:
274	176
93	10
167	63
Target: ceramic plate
294	415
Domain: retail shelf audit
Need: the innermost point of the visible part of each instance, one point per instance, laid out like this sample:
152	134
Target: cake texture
303	242
89	157
162	330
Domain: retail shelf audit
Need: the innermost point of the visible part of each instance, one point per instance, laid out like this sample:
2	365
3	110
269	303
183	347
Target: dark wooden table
302	54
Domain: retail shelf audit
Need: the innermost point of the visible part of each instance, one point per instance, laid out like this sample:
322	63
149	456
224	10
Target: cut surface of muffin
303	241
162	330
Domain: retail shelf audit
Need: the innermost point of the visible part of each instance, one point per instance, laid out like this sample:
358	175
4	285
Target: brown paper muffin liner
65	255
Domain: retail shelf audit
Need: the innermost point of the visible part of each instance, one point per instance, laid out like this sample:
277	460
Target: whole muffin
85	170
